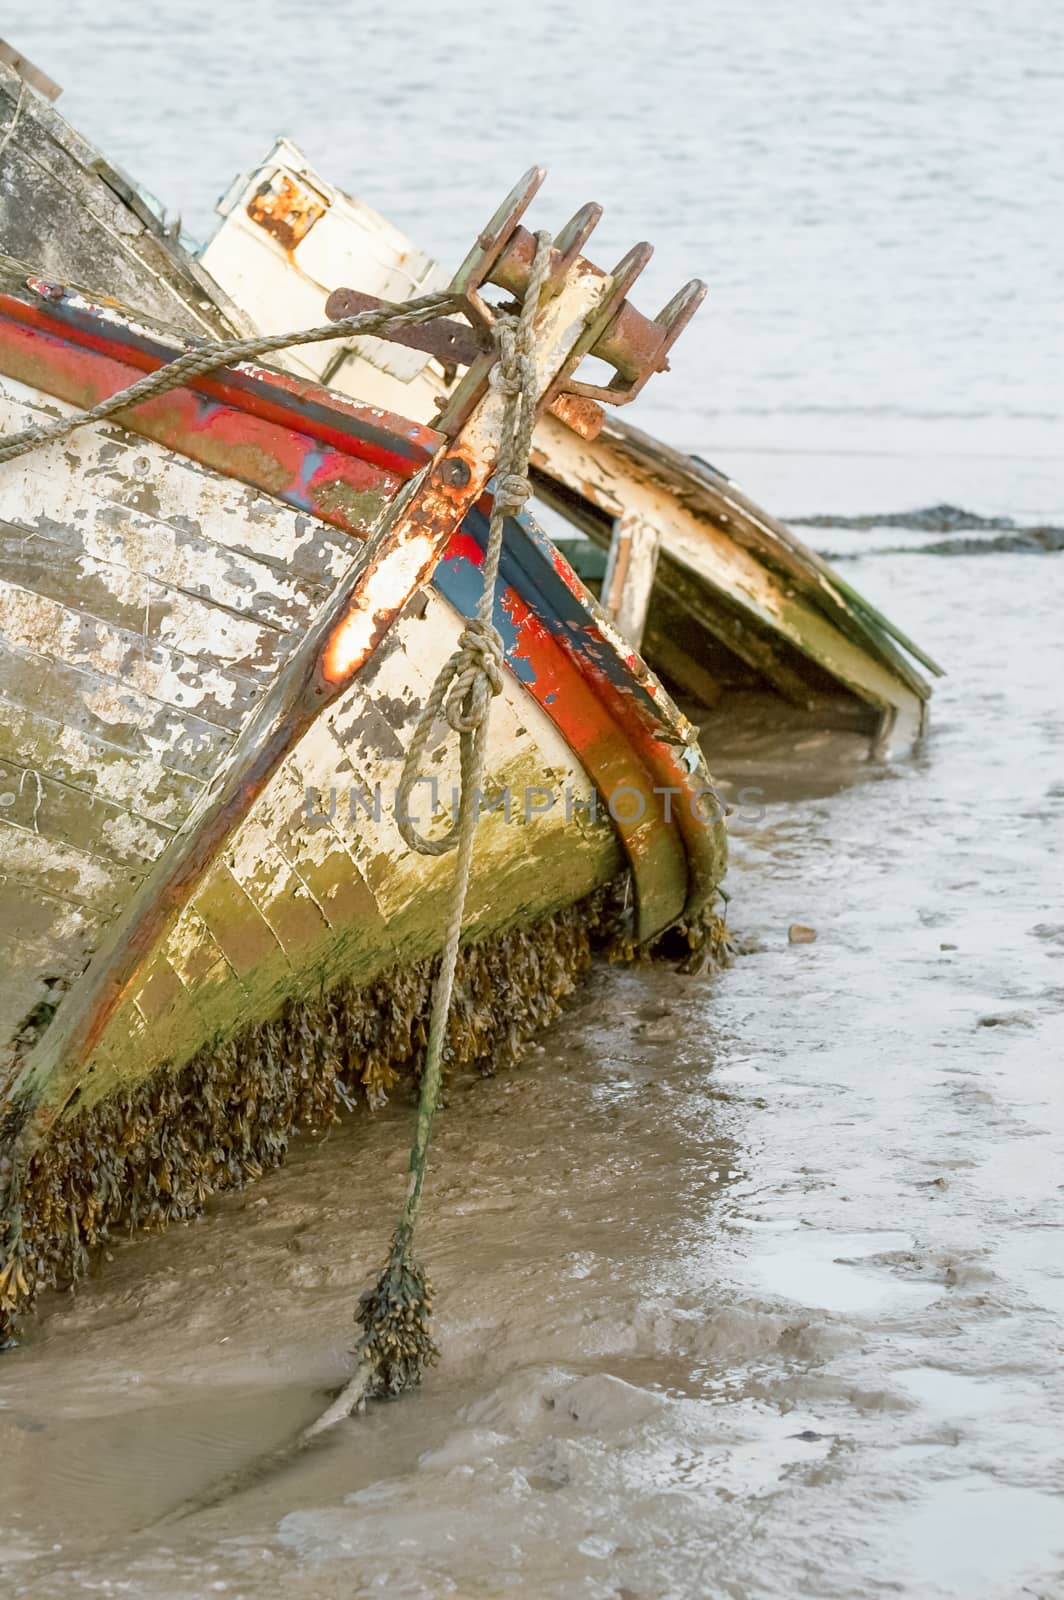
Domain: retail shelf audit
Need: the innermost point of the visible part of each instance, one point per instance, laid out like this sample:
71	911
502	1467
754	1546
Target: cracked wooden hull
71	215
149	601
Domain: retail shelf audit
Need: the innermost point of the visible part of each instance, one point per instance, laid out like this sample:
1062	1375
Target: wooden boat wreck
213	932
219	617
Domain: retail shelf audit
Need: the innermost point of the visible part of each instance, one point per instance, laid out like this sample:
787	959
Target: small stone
659	1032
947	947
798	933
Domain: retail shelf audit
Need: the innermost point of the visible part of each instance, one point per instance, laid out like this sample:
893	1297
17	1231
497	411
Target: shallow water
748	1286
872	192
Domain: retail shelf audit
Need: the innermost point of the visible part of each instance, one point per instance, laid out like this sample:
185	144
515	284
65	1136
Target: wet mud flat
747	1285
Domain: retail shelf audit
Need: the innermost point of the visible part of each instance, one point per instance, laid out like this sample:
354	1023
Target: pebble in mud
1007	1019
799	933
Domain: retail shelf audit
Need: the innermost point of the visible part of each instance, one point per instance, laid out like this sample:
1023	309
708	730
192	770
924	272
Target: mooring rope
396	1344
201	358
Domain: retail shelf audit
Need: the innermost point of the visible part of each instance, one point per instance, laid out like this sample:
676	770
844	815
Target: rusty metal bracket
634	345
456	344
638	348
450	341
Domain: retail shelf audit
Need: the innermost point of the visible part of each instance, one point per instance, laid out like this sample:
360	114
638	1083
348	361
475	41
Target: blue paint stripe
528	567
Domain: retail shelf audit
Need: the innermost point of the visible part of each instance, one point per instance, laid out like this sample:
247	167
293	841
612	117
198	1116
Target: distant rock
931	519
798	933
1022	541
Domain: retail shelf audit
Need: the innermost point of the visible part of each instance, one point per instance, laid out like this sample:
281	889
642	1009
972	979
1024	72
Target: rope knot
505	379
511	492
514	372
482	642
477	676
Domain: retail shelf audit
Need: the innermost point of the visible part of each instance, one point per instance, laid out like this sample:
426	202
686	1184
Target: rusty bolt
455	471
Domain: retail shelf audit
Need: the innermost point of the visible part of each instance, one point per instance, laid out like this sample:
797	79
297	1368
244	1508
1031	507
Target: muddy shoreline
748	1284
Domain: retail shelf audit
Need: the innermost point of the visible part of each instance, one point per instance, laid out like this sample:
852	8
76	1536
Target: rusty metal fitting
634	345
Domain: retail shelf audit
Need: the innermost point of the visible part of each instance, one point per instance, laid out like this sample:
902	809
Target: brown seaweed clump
394	1315
154	1155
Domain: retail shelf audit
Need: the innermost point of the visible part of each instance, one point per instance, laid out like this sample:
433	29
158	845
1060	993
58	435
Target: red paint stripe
464	547
270	455
342	424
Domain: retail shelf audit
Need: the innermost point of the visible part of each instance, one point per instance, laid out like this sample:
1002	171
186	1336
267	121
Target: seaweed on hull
155	1155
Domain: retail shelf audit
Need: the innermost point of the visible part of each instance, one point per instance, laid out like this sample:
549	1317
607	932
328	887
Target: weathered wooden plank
145	476
30	74
315	454
158	991
98	770
165	1006
52	561
113	713
278	891
59	212
630	572
115	502
192	499
52	867
191	949
214	996
44	941
217	1006
370	831
240	930
124	1052
382	709
306	835
33	799
118	538
45	627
